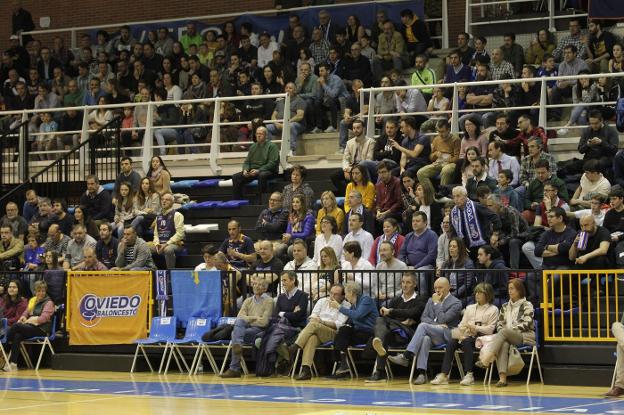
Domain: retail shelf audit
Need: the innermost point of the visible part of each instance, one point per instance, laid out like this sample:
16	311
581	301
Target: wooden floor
64	392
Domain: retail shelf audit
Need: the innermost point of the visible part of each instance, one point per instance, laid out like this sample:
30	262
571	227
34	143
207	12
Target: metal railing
101	149
73	31
482	4
454	113
146	147
581	305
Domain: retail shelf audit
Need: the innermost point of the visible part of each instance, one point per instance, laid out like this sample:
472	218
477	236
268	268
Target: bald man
90	261
268	266
591	245
442	313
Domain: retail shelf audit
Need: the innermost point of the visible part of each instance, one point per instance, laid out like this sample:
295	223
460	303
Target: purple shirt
419	250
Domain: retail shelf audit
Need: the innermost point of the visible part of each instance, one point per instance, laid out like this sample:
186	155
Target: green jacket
535	192
263	157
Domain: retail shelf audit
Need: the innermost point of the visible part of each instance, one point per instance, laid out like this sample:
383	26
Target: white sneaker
290	153
468	380
315	130
330	129
562	131
6	367
440	379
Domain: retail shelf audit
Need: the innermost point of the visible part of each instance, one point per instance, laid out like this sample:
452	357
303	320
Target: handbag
515	363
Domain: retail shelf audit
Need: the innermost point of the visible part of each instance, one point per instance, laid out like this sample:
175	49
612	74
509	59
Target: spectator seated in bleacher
268	266
599	206
168	231
44	218
478	319
490	258
253	317
423	75
528	165
359	148
536	191
420	248
354	260
125	208
541	45
384	151
445	148
592	182
238	248
56	241
133	253
328	237
471	221
499	161
35	321
614	222
261	163
148	206
509	196
13	304
570	66
75	247
388	195
509	239
386	284
273	220
297	117
390	233
599	47
359	235
457	259
208	255
363	313
441	313
299	187
90	261
97	201
514	327
417	39
31	205
11	250
353	109
159	176
18	224
591	245
599	141
33	254
289	318
329	207
300	225
480	178
391	52
65	220
323	324
300	261
584	91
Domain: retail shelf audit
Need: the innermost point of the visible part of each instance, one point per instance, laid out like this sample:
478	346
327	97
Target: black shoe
342	368
306	373
376	377
337	375
283	368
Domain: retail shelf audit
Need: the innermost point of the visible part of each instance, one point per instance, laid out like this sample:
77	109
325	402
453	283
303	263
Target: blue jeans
426	335
344	133
295	130
186	138
164	135
243	333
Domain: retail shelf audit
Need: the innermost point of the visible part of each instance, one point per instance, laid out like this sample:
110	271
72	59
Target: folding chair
434	348
325	346
163	332
4	324
195	328
353	372
525	350
43	341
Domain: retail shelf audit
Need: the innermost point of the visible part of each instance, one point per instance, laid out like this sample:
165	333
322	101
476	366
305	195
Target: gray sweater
141	258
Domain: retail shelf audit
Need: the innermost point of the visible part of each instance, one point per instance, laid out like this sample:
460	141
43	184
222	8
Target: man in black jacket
273	220
167	115
397	323
97	201
384	151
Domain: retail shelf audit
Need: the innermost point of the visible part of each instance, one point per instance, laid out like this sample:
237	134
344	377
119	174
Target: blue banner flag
196	294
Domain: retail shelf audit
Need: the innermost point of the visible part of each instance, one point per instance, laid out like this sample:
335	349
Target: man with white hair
442	312
469	220
261	163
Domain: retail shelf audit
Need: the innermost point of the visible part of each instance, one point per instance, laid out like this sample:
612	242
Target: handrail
68	154
74	30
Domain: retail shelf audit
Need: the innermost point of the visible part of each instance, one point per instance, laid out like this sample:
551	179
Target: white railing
455	112
73	31
472	4
215	156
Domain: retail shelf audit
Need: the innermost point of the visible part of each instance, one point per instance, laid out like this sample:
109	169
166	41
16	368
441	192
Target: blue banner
196	294
275	24
606	9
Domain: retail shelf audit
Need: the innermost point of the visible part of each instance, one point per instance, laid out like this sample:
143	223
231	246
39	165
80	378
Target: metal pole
215	139
285	147
551	16
455	111
542	105
73	41
23	154
468	20
370	118
148	149
445	29
84	136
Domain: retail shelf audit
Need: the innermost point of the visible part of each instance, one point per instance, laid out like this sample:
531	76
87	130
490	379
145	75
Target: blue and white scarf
383	238
469	216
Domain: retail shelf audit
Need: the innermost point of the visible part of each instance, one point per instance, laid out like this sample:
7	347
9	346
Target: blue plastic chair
206	350
162	333
324	346
195	328
4	325
43	341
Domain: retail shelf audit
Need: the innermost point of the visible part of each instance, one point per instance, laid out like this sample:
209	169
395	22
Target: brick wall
456	19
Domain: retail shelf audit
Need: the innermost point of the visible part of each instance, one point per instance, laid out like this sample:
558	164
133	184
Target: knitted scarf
469	217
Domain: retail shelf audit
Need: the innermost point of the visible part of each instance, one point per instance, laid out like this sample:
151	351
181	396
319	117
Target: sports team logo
94	308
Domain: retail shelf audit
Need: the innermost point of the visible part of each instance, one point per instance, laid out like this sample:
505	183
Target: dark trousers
468	347
19	332
557	98
238	181
339	182
385	329
347	336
